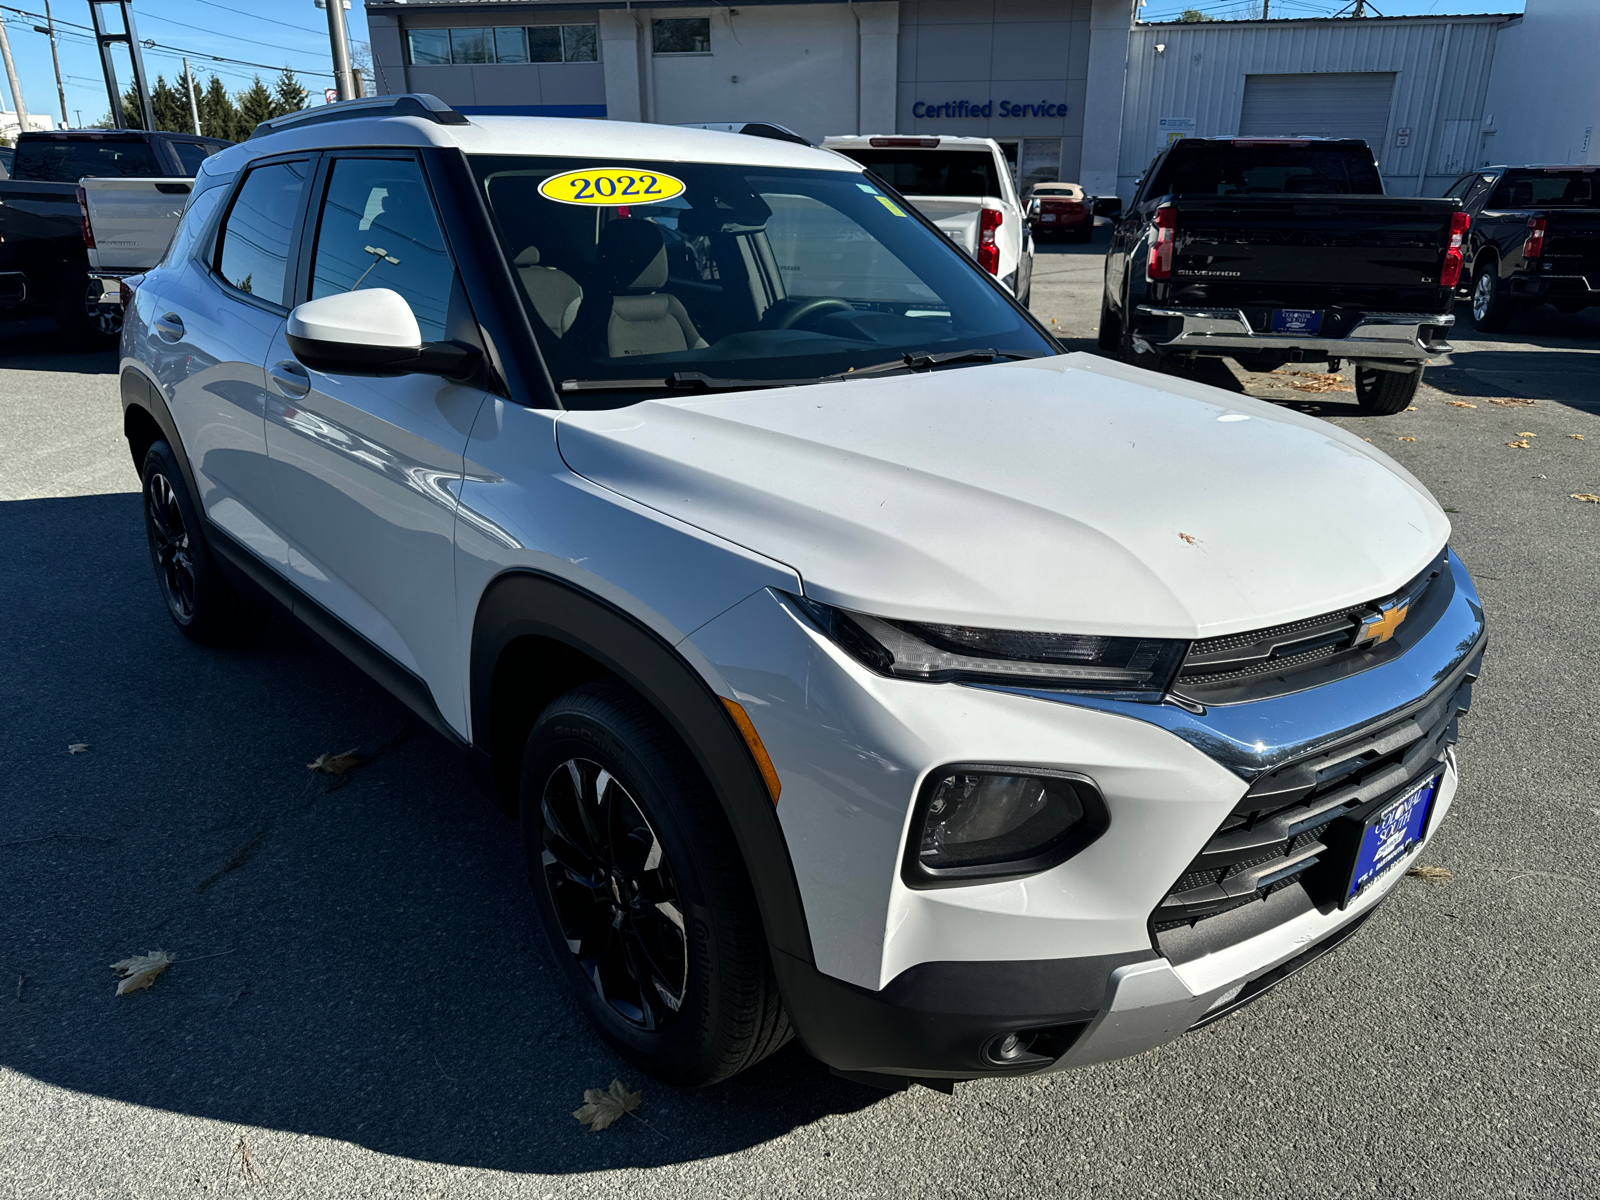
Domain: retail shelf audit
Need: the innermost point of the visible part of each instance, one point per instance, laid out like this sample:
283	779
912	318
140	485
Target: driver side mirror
372	332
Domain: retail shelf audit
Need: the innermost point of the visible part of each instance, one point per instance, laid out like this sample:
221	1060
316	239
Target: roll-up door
1343	104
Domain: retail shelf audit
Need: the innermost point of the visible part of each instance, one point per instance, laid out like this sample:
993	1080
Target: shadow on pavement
34	345
359	963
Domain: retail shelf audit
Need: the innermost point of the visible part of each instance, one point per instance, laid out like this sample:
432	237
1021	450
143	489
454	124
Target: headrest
528	258
632	256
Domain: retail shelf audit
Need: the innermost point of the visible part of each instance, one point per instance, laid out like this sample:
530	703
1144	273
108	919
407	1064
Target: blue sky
290	33
294	33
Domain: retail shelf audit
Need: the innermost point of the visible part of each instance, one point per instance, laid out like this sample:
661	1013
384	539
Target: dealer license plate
1390	834
1296	320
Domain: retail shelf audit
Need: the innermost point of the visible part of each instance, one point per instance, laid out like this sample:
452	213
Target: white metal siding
1343	104
1440	68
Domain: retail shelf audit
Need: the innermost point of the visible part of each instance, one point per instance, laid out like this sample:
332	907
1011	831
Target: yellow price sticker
609	186
891	206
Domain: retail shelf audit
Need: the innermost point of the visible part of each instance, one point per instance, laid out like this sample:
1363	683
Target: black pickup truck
44	264
1535	239
1275	250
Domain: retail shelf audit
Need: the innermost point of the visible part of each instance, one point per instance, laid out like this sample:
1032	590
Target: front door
367	470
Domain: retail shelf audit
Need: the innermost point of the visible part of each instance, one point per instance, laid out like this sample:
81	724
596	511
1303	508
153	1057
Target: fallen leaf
1431	874
336	764
78	748
604	1108
1406	439
1577	437
1188	539
1461	404
1527	435
1329	382
141	971
1592	499
1413	408
1521	444
1510	402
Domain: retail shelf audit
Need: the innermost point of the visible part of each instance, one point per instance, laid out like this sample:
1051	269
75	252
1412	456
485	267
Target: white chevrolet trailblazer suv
857	664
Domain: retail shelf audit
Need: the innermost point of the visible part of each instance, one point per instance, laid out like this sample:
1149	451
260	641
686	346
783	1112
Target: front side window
503	44
378	229
681	35
740	273
254	252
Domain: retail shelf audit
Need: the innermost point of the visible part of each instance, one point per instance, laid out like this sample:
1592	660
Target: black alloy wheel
169	547
614	893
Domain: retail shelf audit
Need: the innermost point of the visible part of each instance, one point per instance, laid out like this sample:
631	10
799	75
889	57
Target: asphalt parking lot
361	1006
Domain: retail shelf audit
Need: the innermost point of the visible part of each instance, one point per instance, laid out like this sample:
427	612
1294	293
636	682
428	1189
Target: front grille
1303	654
1276	836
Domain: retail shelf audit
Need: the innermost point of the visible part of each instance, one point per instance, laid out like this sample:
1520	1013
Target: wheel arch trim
524	603
142	394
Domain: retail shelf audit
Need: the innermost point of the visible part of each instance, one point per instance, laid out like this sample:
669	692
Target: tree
255	106
219	116
1192	15
171	107
287	94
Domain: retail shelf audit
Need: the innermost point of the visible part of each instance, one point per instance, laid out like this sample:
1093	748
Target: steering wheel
810	308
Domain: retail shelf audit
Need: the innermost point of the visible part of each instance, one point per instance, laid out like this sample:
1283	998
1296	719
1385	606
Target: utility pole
194	104
339	38
55	58
11	74
1265	5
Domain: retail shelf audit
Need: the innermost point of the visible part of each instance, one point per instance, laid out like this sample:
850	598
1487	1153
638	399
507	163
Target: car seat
632	316
554	294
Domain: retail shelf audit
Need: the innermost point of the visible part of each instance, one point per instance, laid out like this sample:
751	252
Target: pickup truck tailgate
132	219
956	217
1572	242
1340	242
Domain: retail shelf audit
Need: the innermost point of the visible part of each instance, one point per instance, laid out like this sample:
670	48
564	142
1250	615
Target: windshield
738	272
1571	188
1201	168
914	172
69	160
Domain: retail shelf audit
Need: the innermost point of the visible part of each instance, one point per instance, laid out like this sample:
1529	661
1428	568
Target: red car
1060	209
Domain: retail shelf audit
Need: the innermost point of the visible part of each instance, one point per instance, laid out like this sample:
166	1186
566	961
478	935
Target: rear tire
642	891
199	598
1492	309
1384	393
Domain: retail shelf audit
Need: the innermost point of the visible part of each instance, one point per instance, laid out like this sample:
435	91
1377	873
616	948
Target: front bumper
1388	338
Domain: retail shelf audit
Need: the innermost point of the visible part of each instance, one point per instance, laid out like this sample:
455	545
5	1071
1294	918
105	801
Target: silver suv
857	664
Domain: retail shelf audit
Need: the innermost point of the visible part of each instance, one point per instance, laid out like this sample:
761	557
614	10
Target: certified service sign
611	186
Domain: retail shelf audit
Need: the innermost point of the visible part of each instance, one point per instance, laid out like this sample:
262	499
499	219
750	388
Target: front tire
643	893
1384	393
1491	307
199	599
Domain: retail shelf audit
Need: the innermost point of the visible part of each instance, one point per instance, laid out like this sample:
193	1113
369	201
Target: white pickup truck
964	186
127	225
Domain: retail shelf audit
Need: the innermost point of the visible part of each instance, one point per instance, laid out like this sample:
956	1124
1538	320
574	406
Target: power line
256	16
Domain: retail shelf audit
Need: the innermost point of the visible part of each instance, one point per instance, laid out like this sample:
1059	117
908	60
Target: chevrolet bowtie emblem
1380	626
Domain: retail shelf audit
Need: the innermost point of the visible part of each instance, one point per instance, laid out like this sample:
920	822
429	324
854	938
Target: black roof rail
766	129
414	104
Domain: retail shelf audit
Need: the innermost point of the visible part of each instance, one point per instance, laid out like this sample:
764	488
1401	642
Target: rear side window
933	172
191	155
1548	189
1200	168
254	251
378	230
70	159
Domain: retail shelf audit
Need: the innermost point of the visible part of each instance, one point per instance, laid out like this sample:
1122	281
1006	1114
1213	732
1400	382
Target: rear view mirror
1107	206
371	332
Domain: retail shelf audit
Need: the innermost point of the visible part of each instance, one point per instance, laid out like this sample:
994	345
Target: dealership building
1080	90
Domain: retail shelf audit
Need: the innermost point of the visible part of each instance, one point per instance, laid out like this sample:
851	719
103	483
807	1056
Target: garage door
1352	104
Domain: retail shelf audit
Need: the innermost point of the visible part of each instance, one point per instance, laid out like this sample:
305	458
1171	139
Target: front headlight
918	650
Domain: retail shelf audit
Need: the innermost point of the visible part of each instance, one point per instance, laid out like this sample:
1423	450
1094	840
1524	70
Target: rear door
367	470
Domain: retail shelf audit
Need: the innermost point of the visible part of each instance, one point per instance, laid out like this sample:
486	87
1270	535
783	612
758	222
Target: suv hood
1066	494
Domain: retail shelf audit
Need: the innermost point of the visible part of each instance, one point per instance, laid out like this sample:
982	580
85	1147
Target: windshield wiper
926	362
699	381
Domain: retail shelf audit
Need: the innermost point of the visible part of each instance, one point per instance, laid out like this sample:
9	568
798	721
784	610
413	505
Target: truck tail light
1450	275
1534	246
988	251
83	219
1164	243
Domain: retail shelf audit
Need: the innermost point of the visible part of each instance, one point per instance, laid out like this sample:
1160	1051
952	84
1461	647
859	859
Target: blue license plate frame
1296	320
1390	834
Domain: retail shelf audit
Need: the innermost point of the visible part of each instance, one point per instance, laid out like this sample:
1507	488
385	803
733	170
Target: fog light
975	823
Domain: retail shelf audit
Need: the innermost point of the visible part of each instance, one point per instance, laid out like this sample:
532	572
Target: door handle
169	327
291	378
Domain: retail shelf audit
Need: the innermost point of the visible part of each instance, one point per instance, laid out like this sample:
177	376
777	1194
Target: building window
503	44
682	35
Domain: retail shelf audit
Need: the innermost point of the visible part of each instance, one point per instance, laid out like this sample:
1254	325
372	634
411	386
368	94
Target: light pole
194	104
339	39
11	75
